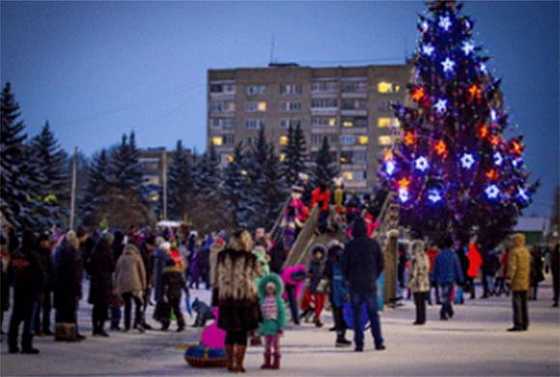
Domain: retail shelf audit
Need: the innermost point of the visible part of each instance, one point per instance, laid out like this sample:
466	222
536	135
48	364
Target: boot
229	357
276	363
239	357
341	340
266	364
27	345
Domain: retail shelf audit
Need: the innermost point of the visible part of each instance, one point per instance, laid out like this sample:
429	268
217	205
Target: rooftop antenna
272	50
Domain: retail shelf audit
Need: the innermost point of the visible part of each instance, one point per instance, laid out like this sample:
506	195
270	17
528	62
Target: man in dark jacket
67	281
101	266
361	264
147	252
28	281
43	323
555	269
87	243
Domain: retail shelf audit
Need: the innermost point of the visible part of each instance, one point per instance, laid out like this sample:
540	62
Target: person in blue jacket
447	271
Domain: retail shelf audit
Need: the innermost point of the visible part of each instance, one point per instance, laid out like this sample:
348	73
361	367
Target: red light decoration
404	182
492	175
409	138
418	94
441	148
474	92
388	155
517	149
483	131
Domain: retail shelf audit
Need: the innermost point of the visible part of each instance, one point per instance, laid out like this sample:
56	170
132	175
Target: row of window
316	122
316	87
331	104
316	140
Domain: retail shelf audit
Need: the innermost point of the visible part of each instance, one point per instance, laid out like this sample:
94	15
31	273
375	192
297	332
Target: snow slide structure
386	234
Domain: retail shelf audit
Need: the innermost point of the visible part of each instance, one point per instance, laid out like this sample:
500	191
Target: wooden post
164	184
73	192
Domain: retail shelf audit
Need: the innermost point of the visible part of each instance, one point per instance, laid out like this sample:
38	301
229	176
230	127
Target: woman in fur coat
238	297
419	282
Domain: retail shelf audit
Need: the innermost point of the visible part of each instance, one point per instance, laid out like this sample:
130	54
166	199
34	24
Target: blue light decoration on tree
456	170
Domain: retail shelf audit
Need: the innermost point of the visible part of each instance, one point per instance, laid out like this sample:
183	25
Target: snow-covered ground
473	343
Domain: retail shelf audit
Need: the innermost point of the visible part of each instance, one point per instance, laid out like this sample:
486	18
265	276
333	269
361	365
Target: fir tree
453	170
295	156
126	189
52	165
180	183
20	202
255	164
96	195
275	188
208	175
325	166
13	196
234	187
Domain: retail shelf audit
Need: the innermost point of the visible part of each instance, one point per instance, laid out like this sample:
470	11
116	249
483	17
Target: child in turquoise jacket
274	317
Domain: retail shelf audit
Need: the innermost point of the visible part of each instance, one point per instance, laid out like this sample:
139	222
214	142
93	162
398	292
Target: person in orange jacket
475	261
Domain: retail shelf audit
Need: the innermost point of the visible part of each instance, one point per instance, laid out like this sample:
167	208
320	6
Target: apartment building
153	165
349	105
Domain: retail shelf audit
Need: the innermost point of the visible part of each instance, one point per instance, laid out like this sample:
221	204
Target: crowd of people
250	283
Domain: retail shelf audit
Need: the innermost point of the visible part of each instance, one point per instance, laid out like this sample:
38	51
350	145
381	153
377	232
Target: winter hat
298	189
165	246
159	241
303	176
334	243
270	284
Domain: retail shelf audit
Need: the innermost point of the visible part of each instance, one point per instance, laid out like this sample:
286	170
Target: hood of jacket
417	247
359	228
241	242
290	272
318	247
130	249
274	278
517	240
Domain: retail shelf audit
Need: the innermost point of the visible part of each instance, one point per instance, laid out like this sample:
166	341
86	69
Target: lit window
387	87
282	157
230	158
217	141
383	122
363	140
348	175
283	140
154	198
261	106
384	140
347	123
332	122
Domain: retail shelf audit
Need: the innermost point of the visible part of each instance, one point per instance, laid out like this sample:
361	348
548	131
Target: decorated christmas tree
452	169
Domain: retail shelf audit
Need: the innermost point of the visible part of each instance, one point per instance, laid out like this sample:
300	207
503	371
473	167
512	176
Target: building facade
349	105
153	162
